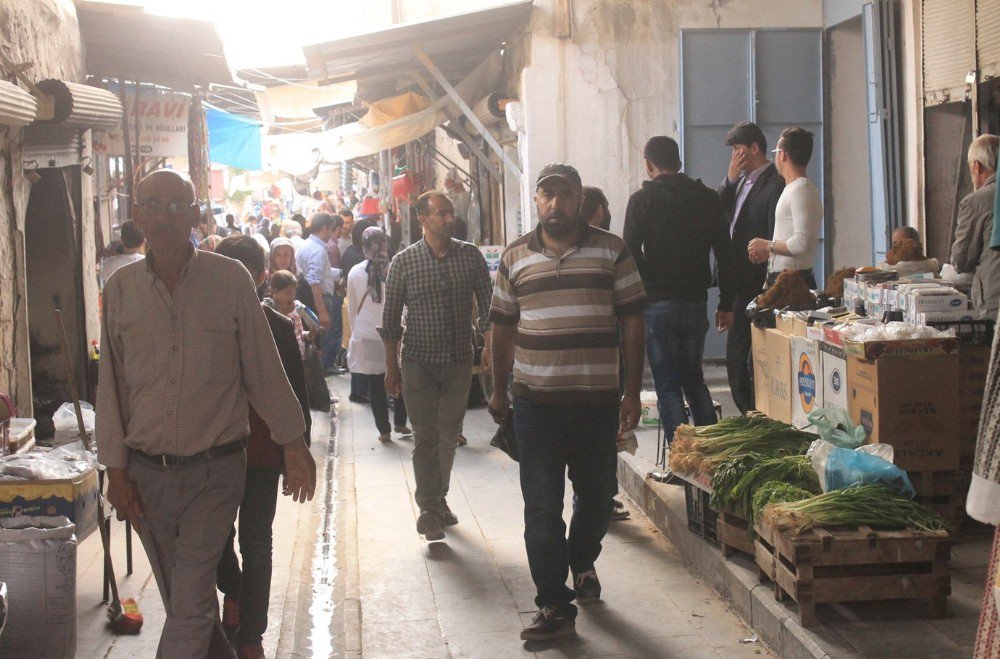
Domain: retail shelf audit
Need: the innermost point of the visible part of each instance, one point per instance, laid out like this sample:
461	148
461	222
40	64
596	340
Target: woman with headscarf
366	352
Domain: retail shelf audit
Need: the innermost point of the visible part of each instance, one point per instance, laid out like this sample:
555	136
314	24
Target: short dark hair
131	235
345	212
230	218
908	232
663	152
321	221
594	198
246	250
358	231
746	133
797	143
423	204
283	279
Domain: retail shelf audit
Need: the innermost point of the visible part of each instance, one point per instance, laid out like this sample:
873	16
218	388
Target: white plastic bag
64	421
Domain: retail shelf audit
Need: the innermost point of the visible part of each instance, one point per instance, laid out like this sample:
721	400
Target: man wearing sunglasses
185	344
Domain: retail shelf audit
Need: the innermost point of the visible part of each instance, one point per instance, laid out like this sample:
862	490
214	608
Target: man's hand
300	472
324	320
723	320
124	497
631	410
484	360
737	164
758	250
393	381
499	406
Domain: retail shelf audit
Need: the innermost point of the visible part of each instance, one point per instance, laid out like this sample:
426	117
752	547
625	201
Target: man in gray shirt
184	345
974	225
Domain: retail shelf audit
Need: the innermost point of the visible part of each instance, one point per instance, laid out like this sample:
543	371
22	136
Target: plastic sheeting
393	108
299	153
233	140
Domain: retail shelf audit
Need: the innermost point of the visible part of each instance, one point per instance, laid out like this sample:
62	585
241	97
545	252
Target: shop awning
233	140
17	107
457	44
123	41
80	106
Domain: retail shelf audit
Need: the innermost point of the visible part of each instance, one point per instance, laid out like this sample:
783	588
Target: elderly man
436	278
185	344
974	226
558	294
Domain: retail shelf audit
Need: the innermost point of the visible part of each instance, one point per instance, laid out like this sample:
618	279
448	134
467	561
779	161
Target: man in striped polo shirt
559	292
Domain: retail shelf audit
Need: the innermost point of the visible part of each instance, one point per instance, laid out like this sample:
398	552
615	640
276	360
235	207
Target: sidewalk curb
735	580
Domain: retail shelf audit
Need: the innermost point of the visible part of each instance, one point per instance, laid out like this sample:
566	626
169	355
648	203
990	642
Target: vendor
974	226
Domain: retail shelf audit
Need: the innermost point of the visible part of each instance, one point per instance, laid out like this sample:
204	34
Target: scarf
375	245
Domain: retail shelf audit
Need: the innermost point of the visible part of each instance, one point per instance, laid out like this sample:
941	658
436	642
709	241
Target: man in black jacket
749	195
671	225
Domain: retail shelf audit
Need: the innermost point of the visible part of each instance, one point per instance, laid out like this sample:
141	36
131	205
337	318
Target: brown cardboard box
780	385
973	364
758	338
910	403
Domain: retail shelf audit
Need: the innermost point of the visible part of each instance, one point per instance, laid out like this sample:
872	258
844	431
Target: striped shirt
438	295
566	309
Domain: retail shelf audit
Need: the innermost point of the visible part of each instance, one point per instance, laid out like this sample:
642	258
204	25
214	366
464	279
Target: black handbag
505	440
319	393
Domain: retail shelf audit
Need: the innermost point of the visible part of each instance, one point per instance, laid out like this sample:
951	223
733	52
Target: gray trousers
436	398
189	511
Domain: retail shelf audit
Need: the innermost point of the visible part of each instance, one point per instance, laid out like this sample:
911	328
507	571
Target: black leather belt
204	456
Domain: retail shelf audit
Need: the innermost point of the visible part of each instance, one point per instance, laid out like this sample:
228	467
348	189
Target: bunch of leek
734	483
702	449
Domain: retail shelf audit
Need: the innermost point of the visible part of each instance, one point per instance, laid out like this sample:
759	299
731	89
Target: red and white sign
163	127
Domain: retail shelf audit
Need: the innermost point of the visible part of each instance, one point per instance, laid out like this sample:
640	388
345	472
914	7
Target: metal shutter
988	37
51	146
949	27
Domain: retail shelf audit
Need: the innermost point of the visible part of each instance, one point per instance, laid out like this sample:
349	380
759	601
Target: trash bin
38	563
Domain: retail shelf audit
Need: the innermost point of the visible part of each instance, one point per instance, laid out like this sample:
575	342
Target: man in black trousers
749	195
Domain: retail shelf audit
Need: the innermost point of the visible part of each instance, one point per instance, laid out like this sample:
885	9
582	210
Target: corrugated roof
124	41
457	44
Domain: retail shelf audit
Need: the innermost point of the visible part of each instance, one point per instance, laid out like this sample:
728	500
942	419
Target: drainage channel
324	561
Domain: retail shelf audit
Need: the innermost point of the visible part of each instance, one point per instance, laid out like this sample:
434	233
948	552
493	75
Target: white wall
593	101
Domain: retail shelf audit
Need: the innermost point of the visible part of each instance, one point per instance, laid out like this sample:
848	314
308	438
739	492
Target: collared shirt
744	192
438	294
176	372
566	308
109	265
314	264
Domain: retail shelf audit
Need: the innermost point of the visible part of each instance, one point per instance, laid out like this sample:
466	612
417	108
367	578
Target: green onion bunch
734	483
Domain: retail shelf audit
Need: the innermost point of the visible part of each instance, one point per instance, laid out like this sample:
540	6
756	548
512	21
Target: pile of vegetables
867	505
735	483
776	492
703	449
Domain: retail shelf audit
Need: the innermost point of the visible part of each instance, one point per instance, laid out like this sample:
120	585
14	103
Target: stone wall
46	33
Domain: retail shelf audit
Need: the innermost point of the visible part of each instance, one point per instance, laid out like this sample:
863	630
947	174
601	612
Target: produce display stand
702	518
854	564
734	534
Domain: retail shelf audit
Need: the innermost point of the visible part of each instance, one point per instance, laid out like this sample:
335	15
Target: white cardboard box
833	365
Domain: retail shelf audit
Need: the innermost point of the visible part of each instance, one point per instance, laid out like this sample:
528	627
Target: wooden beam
467	111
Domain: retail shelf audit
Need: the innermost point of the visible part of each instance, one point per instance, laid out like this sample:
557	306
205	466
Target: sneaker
250	651
403	430
430	525
230	617
385	437
549	623
450	518
462	441
618	511
588	587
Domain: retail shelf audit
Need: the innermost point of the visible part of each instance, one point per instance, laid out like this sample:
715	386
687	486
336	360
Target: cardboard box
833	364
808	378
910	403
779	385
935	303
973	365
902	348
758	337
926	317
76	498
784	323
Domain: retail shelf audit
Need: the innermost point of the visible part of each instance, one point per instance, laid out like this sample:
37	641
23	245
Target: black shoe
357	399
666	476
618	511
549	623
430	525
587	586
450	518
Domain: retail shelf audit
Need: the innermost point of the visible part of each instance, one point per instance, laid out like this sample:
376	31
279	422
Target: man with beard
184	345
559	291
436	278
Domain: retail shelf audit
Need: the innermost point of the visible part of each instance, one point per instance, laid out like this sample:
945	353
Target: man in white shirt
133	240
798	215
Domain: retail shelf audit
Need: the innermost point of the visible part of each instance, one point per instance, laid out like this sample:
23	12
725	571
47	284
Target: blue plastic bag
845	467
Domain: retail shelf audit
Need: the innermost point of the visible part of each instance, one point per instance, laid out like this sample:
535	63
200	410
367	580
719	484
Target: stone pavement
470	594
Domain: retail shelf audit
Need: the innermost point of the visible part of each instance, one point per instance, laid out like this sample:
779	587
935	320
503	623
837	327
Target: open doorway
54	280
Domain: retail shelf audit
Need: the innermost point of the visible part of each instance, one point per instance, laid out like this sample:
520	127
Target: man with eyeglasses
798	214
185	344
437	279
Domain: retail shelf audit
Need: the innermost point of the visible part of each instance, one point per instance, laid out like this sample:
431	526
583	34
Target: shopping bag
319	393
504	438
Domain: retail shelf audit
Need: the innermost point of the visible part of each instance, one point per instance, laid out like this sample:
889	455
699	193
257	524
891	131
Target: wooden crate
944	492
733	535
854	564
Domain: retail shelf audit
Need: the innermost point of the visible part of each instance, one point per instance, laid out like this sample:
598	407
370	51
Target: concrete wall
593	101
46	33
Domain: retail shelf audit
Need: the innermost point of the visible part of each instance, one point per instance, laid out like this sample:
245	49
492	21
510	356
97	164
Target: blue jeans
550	439
333	338
675	343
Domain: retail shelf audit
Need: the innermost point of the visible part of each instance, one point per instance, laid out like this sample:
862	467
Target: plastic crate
702	518
976	333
